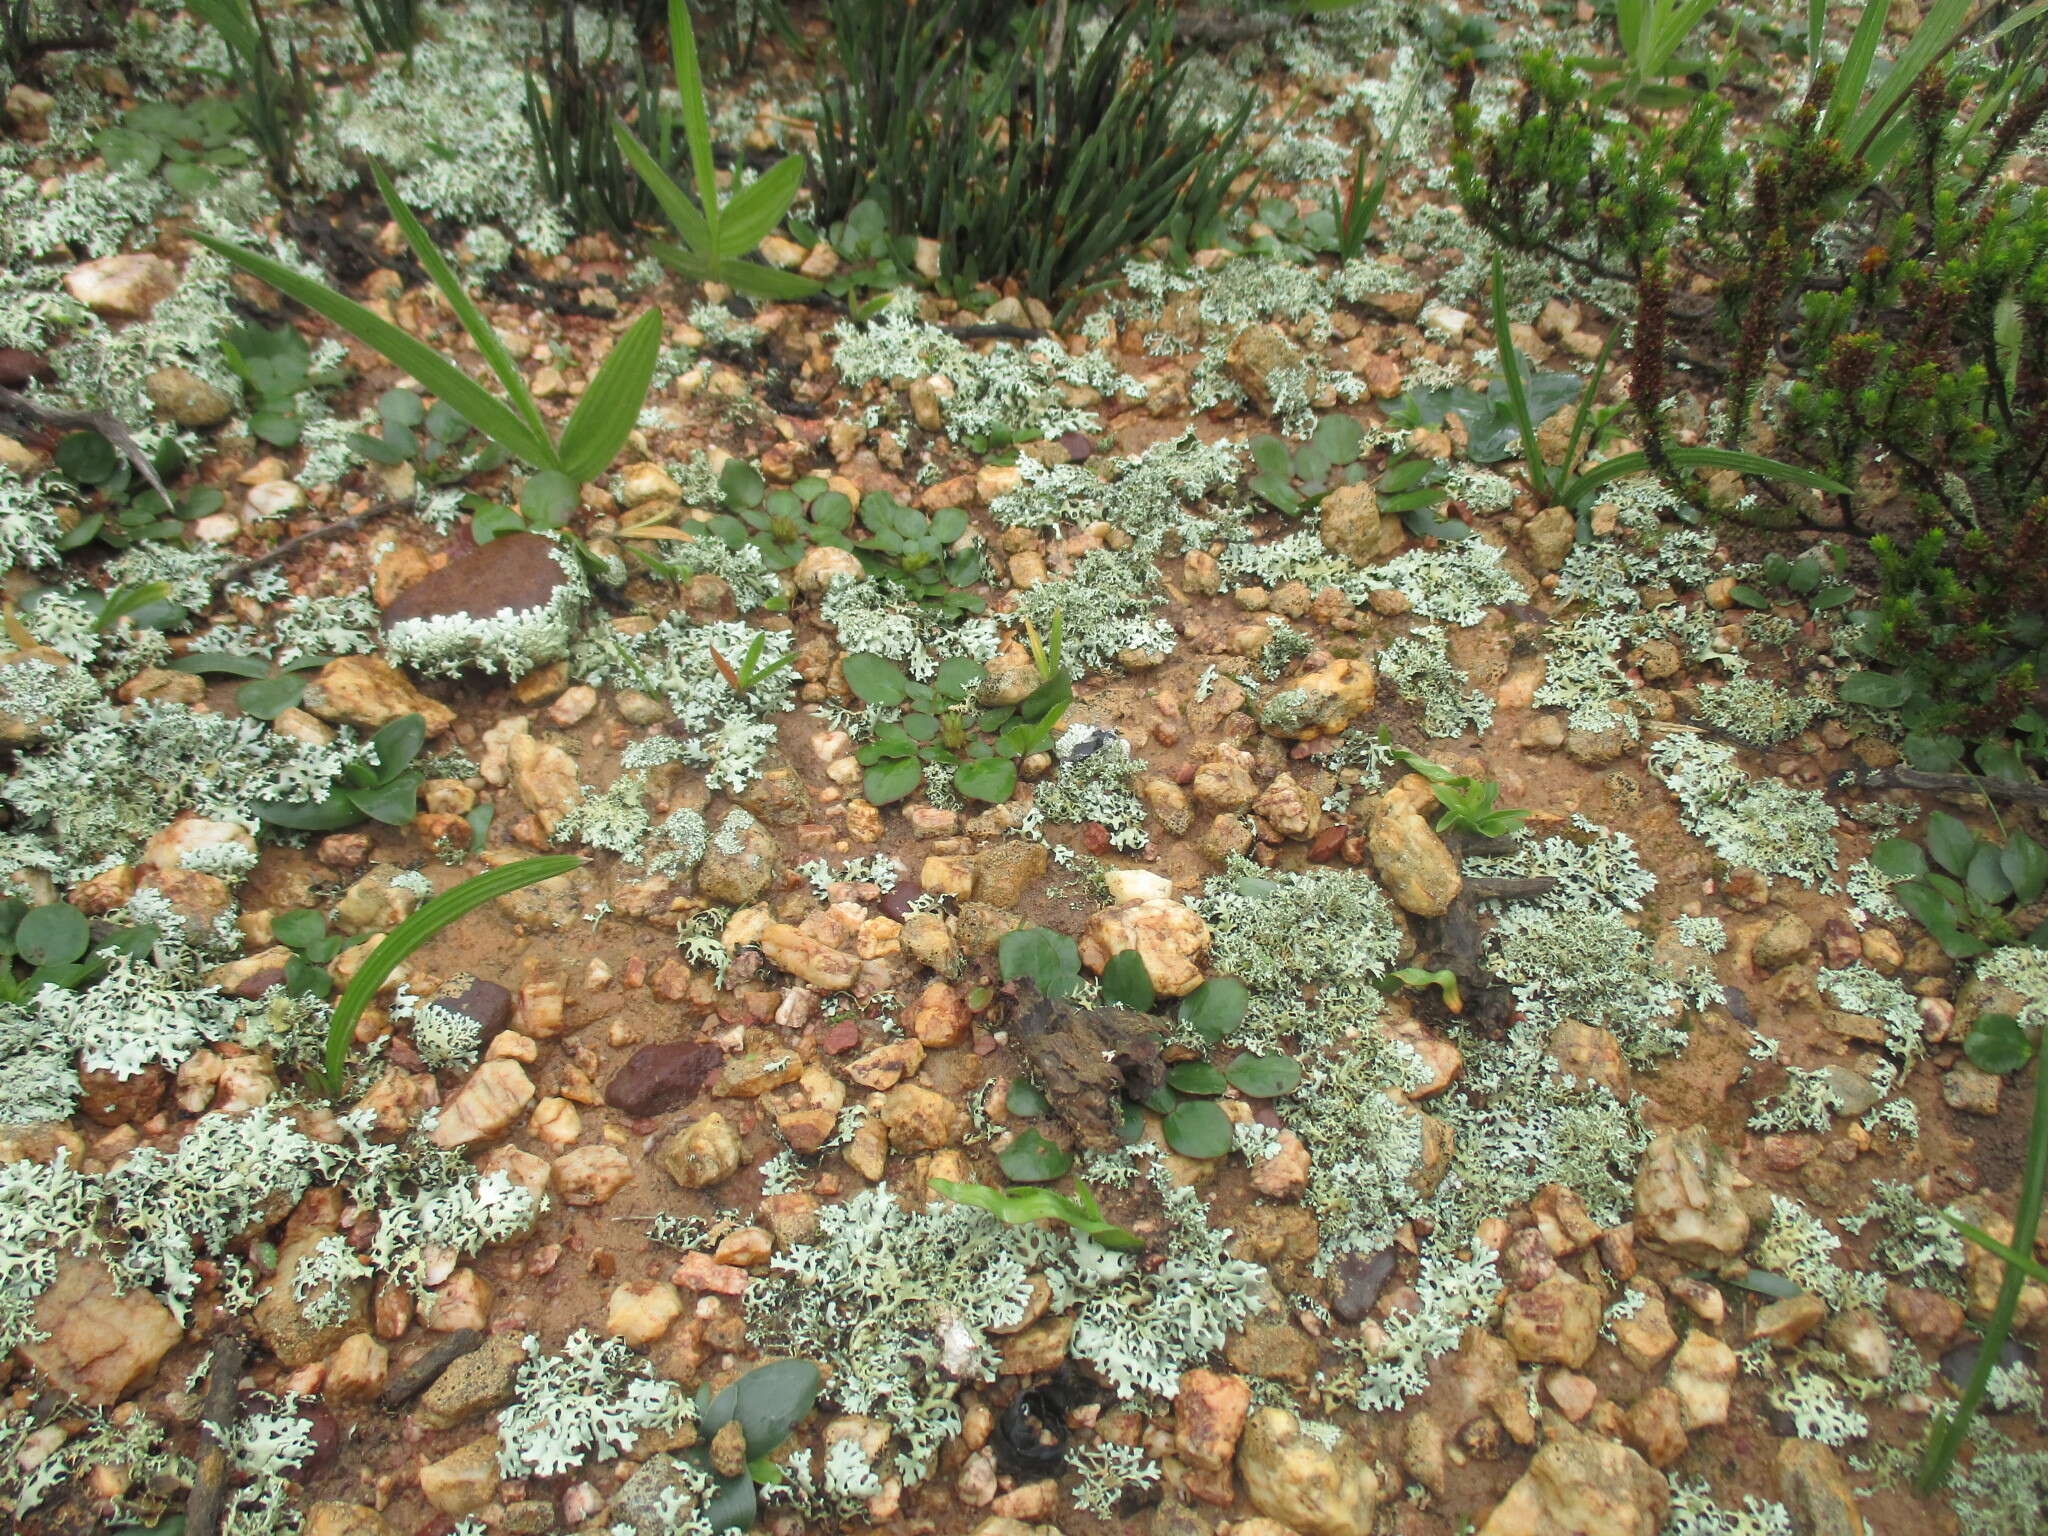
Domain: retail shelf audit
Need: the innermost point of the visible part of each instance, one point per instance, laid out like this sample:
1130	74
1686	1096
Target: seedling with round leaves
1195	1125
269	691
939	723
1292	480
1964	889
783	522
379	785
914	551
122	508
767	1404
440	444
304	932
60	947
277	367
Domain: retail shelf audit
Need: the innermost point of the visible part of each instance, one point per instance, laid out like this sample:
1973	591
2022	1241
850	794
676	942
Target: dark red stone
515	571
895	903
657	1078
842	1037
474	998
1328	844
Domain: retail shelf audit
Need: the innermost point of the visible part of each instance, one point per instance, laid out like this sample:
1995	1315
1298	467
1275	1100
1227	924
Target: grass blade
1582	414
1935	35
467	398
472	318
451	905
1518	399
1698	458
1855	68
696	122
610	406
1947	1438
2024	1263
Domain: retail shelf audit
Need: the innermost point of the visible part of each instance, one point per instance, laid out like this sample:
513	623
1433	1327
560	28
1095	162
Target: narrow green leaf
396	946
758	207
1518	399
675	202
1626	464
480	330
610	407
696	121
462	394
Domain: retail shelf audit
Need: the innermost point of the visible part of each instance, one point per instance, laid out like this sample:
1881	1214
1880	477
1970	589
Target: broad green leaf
958	677
1997	1044
1899	857
1216	1007
394	803
876	679
1877	690
398	743
1339	437
1049	960
469	399
890	780
1199	1128
548	499
329	815
1196	1077
2025	864
56	933
429	919
769	1401
610	407
227	662
299	929
989	779
1027	1099
487	340
1264	1077
1126	983
1952	844
1986	876
270	697
1031	1159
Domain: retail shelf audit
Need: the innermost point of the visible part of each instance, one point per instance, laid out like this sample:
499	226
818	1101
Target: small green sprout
1018	1205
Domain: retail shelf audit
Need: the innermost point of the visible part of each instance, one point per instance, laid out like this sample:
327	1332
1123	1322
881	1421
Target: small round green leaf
1216	1007
1031	1159
1196	1077
299	929
55	934
1027	1099
1047	959
1264	1077
1996	1044
891	779
1126	983
876	679
992	779
87	457
1877	690
548	499
1199	1128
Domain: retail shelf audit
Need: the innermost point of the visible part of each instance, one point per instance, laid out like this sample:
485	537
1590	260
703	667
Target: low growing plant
783	522
59	948
1470	804
441	445
716	233
380	785
596	429
121	507
1964	889
304	932
767	1403
938	724
914	550
276	367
